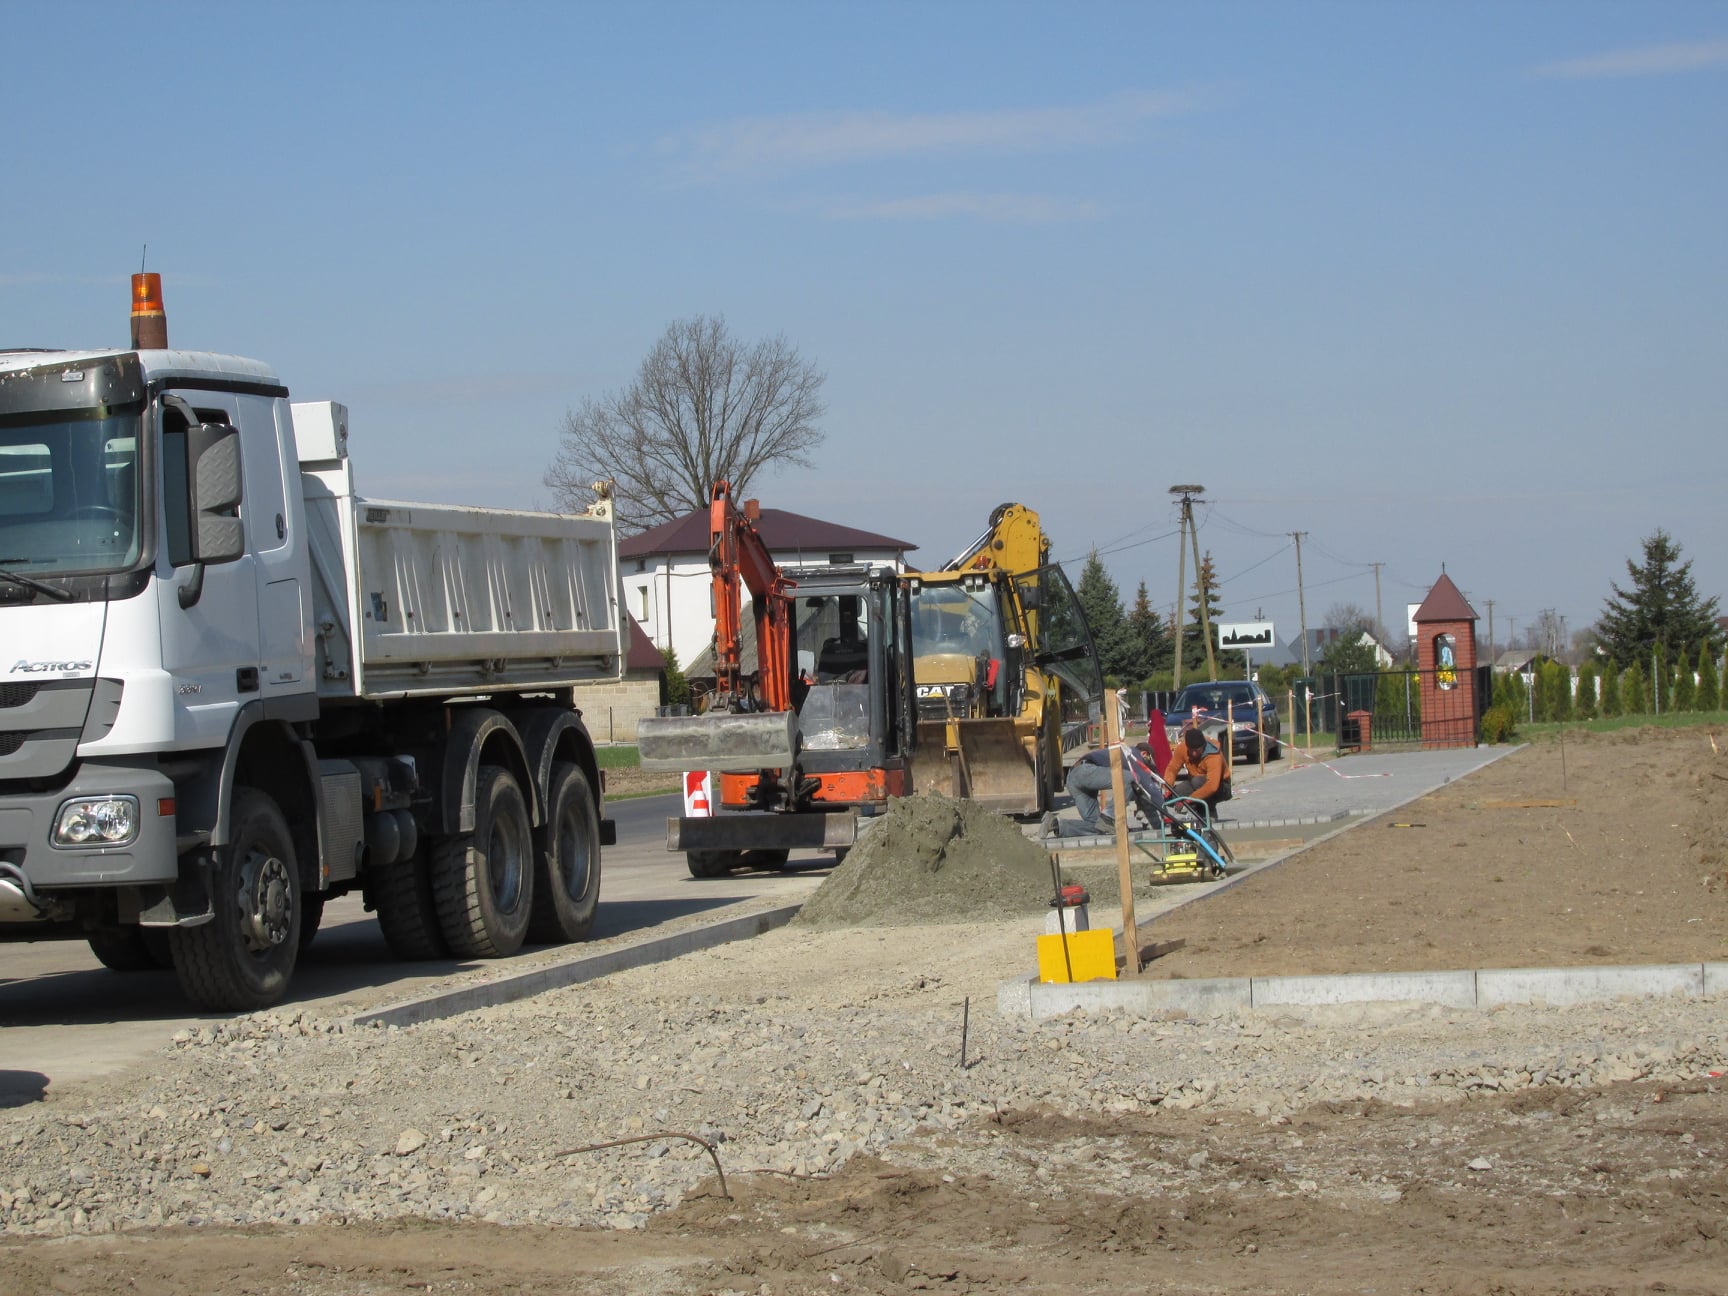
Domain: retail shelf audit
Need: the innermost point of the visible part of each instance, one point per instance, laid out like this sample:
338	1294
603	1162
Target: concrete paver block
1451	989
1585	984
1213	997
1716	978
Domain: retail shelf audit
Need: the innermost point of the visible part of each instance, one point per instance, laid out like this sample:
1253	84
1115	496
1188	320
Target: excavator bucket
735	742
979	760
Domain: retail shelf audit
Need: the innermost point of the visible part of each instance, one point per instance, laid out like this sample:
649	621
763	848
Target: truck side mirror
213	461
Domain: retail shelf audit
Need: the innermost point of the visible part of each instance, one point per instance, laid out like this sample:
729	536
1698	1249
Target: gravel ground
1523	1150
793	1052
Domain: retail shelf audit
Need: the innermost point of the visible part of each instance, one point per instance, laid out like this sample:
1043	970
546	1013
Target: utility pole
1379	618
1193	537
1490	603
1301	600
1181	593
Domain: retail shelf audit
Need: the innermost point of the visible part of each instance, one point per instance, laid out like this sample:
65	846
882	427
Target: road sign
1249	634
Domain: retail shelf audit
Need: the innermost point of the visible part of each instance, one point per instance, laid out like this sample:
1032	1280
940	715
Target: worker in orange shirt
1197	769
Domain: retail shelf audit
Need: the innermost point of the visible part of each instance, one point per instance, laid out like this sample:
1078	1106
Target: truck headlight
97	821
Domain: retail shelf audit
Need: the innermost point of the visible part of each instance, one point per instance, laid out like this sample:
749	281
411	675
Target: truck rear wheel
483	882
401	894
243	957
131	949
566	861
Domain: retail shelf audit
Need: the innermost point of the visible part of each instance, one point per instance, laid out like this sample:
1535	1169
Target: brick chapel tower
1446	656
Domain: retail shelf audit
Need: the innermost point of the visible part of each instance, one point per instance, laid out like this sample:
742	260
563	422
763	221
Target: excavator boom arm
740	560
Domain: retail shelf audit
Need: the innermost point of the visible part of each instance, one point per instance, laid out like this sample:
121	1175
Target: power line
1268	558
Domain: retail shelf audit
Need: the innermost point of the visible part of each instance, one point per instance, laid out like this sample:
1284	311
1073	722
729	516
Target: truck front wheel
567	860
483	882
243	957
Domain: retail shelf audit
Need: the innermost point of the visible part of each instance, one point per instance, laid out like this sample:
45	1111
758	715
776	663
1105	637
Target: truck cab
232	689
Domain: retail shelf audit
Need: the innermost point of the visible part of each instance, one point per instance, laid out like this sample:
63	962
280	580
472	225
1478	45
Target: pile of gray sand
929	860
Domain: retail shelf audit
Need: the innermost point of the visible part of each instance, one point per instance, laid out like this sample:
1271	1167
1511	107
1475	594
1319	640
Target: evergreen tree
1584	705
674	688
1561	684
1154	647
1509	693
1610	703
1661	610
1634	695
1709	690
1194	633
1685	686
1102	603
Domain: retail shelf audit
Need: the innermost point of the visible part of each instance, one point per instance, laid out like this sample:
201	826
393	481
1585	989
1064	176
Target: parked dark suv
1241	701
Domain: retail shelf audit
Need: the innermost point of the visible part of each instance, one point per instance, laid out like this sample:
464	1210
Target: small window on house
840	559
641	602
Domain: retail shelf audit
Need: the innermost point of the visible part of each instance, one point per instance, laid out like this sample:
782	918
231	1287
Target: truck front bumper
27	850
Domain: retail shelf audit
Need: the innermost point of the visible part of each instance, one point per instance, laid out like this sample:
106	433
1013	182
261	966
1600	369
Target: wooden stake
1124	874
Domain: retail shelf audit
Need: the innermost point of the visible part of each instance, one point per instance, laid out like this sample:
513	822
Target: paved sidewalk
1300	790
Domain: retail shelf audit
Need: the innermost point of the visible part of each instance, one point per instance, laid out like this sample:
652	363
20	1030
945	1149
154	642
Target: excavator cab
848	646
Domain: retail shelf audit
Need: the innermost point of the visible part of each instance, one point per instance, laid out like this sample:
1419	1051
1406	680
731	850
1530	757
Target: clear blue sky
1434	284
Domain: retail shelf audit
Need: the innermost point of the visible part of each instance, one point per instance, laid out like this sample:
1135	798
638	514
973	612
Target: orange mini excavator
827	728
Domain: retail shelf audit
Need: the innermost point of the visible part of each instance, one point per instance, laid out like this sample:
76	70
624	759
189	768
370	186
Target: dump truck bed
434	599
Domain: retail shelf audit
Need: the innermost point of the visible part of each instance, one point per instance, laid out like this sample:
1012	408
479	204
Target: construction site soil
882	1129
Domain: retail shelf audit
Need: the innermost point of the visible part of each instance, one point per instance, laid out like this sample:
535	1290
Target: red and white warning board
698	788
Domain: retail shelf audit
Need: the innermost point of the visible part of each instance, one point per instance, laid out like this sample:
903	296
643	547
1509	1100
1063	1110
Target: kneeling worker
1090	776
1197	770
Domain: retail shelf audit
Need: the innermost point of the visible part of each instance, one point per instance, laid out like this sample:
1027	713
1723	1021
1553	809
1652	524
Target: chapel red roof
1445	603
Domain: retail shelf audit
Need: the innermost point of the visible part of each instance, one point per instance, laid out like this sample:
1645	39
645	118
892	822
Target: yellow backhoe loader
1003	669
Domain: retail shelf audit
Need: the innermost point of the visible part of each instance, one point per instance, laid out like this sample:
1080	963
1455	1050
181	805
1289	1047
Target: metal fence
1326	707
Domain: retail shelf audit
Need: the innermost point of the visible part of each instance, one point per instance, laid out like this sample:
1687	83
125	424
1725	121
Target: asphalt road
64	1017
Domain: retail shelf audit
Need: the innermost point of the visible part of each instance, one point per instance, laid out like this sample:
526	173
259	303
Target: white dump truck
232	689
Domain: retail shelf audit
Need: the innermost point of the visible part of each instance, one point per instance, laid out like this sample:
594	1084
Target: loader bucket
977	760
734	742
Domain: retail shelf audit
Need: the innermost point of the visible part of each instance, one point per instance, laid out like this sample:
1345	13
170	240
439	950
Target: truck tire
566	861
131	949
244	956
713	863
401	895
483	882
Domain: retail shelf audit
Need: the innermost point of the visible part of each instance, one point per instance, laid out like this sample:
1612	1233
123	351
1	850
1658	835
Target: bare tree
704	407
1350	616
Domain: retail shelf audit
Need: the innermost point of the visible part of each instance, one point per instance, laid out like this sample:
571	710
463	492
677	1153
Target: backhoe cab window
831	643
69	493
950	620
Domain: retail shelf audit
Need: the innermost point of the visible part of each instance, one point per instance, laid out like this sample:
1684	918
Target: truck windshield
69	493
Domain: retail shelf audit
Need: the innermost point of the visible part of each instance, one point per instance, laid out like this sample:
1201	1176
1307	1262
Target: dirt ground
1618	1182
1606	849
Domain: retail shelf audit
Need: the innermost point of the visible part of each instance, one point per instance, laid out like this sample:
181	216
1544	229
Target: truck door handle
246	679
